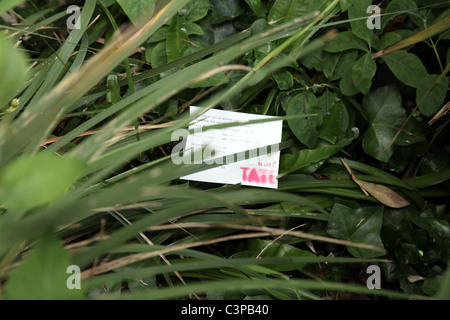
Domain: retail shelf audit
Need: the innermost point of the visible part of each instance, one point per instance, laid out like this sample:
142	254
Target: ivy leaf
362	225
284	79
256	7
407	67
225	10
286	10
435	97
363	71
195	10
385	115
304	128
344	41
43	274
335	118
138	11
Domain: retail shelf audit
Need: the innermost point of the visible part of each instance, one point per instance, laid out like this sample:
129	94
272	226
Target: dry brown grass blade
442	112
126	129
383	194
260	231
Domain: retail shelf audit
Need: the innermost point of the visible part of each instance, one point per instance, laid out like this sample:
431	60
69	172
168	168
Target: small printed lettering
193	310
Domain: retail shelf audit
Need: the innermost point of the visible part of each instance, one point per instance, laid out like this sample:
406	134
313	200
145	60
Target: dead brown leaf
383	194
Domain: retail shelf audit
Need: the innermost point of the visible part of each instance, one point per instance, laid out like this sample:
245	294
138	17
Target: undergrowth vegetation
86	178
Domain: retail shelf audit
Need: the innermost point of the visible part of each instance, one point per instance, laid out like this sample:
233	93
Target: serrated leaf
363	71
385	115
304	128
344	41
43	274
29	182
362	225
407	67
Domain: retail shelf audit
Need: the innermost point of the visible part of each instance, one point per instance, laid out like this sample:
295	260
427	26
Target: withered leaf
383	194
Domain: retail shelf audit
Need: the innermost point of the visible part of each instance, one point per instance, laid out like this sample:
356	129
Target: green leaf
335	118
196	10
431	286
314	60
304	128
344	41
435	97
29	182
225	10
385	115
5	5
158	56
138	11
256	7
396	7
173	47
284	79
267	248
335	64
43	274
193	28
407	67
212	81
113	94
159	35
306	157
12	70
358	11
444	291
344	4
387	40
346	85
363	71
286	10
362	225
